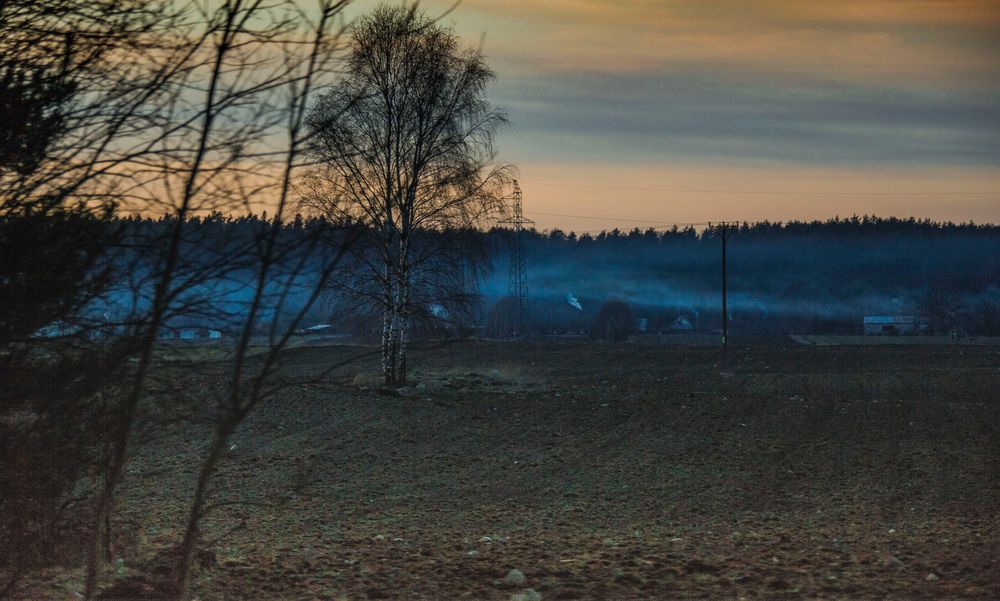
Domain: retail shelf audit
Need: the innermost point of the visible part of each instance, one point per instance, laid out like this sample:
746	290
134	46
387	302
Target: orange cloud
917	40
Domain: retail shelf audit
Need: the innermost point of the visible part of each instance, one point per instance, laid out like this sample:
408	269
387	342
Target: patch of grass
367	379
506	373
194	351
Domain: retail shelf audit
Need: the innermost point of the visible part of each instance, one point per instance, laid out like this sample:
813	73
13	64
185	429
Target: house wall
880	329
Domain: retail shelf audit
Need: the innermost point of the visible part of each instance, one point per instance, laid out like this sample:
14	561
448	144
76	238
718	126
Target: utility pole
517	287
723	231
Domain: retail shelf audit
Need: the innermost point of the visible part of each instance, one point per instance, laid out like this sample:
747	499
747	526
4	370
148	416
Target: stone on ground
514	577
528	594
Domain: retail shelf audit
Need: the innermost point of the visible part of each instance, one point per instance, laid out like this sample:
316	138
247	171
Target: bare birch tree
405	145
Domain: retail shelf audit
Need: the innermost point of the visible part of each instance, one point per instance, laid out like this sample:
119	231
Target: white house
189	333
889	325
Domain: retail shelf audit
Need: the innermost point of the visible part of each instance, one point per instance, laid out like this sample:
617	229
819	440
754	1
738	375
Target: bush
56	410
614	321
501	318
46	447
985	318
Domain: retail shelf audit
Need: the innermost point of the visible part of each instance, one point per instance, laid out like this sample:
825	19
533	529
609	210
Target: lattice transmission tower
517	287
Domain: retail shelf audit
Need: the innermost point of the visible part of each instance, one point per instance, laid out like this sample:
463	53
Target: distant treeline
862	225
815	276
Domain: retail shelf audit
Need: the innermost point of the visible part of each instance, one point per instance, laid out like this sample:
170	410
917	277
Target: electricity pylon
517	287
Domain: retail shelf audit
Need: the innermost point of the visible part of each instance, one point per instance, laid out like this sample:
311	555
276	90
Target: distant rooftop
890	319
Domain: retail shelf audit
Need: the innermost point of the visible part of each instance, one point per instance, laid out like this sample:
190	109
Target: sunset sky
635	112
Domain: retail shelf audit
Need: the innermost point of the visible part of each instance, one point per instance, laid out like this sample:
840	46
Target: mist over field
780	276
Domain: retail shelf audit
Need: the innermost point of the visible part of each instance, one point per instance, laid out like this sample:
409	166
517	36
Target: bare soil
600	471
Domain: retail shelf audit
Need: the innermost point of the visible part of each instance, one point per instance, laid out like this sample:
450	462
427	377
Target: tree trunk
102	510
404	324
107	539
183	574
394	356
107	515
388	347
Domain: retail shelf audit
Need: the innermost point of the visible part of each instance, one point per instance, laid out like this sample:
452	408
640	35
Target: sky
638	113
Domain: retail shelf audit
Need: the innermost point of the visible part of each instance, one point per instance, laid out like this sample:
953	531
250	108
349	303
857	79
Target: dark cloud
685	115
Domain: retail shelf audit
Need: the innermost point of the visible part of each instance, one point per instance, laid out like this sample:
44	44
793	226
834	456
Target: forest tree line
801	277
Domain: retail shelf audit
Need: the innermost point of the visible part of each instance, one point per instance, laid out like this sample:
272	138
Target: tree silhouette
405	146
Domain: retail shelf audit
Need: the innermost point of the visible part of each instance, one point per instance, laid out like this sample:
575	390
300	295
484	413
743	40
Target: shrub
614	321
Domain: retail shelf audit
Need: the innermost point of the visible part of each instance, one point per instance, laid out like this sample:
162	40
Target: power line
775	192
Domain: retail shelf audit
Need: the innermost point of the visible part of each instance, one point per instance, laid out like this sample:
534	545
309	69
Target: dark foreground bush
53	418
